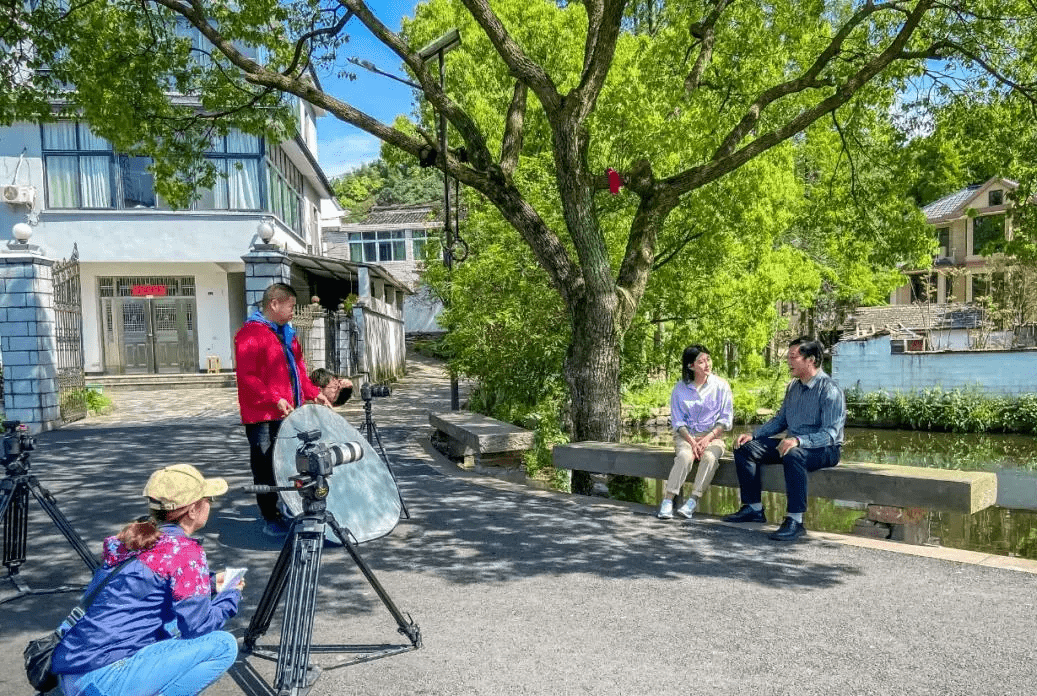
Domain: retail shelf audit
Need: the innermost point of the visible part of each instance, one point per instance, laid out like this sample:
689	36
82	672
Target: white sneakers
688	509
685	511
666	510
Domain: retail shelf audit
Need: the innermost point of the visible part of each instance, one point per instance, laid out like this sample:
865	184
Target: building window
943	240
284	184
995	197
923	288
377	247
989	229
420	240
82	171
237	157
78	166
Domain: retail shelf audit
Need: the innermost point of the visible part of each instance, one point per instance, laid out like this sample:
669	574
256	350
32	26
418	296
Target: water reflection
994	530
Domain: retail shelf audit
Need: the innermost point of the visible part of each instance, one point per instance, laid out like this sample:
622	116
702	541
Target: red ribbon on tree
614	181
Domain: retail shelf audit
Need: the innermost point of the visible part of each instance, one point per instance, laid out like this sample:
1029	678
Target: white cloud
341	153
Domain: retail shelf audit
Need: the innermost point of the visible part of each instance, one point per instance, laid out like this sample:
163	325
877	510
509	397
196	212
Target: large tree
728	81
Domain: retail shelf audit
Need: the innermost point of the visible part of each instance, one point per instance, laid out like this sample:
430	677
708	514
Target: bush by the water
955	410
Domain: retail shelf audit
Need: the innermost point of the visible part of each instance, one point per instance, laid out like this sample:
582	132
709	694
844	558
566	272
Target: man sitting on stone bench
812	417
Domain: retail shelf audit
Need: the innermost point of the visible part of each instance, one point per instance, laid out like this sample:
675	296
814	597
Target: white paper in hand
232	577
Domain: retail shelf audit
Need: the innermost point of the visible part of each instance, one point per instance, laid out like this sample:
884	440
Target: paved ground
519	591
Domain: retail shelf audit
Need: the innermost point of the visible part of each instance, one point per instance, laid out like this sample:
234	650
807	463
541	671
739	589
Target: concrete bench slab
481	434
878	484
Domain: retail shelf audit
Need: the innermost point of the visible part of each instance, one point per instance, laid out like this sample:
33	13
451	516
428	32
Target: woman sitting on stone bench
701	410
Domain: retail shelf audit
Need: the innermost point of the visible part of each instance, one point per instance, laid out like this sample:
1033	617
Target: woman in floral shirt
154	629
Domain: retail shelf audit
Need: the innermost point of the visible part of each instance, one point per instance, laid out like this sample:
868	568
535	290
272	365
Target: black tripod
14	509
296	572
370	431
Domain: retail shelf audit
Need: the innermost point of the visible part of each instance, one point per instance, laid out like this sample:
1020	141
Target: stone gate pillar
28	337
265	264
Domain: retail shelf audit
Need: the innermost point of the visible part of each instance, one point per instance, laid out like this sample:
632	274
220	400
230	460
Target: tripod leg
406	625
375	440
14	511
293	661
271	593
47	502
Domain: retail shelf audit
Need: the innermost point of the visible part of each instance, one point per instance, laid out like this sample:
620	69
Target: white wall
869	366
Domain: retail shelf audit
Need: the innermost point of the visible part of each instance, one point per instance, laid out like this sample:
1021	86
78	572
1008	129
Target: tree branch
724	161
521	66
705	34
604	20
808	80
672	253
514	126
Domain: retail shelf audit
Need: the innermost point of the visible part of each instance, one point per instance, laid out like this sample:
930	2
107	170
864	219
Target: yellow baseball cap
180	485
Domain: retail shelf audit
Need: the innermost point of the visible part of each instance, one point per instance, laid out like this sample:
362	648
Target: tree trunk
592	373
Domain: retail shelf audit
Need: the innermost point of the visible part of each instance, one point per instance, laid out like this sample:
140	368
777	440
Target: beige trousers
683	461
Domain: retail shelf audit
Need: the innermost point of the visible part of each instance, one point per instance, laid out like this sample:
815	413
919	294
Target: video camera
367	391
17	443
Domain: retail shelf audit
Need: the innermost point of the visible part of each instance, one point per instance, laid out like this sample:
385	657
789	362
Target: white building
396	238
162	289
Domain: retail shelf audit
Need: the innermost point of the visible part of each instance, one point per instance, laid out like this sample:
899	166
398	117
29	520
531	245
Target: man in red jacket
272	382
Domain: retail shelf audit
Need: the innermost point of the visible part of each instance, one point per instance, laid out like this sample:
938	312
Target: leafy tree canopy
683	98
386	183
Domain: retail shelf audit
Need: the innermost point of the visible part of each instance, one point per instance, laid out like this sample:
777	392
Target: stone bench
481	440
897	496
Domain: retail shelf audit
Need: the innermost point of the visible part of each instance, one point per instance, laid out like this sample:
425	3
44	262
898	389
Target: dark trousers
798	462
261	440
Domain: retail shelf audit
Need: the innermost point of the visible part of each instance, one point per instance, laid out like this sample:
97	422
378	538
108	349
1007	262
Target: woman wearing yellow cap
154	628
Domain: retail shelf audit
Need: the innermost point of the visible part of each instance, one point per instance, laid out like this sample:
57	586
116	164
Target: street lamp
439	48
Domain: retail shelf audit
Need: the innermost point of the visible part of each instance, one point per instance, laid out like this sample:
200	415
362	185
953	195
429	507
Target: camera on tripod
315	459
368	391
17	443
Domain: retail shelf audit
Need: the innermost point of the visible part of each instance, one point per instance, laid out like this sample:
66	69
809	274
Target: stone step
197	380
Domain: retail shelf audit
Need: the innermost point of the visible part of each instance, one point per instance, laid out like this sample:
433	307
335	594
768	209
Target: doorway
149	335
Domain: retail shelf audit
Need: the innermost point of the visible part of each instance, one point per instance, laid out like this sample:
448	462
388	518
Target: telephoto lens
345	452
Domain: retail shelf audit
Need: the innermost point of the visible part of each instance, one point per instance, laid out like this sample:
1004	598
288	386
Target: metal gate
310	324
68	320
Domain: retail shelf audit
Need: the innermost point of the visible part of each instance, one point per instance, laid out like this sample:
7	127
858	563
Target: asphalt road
521	591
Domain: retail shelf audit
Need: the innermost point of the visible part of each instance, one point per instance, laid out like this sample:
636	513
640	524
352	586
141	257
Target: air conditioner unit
18	195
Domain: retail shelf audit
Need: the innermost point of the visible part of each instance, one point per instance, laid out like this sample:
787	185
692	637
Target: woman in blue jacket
154	629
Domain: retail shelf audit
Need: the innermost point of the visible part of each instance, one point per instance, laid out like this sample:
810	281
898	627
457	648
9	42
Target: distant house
911	347
395	237
964	221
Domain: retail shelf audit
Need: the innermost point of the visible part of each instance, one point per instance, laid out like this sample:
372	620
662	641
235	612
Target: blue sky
341	146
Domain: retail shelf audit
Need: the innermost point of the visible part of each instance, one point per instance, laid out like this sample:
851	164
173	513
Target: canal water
994	530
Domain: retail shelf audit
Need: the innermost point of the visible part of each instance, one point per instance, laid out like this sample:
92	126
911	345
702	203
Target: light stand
438	49
370	431
14	510
295	578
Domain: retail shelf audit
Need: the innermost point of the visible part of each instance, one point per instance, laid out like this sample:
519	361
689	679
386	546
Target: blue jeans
174	667
798	462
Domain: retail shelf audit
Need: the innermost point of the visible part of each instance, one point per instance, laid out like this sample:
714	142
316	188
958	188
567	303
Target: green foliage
632	488
385	182
639	402
739	192
955	410
97	402
432	347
